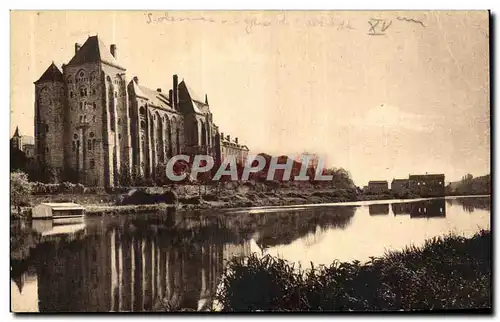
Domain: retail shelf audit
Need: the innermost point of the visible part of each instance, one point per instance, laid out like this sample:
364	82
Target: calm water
168	261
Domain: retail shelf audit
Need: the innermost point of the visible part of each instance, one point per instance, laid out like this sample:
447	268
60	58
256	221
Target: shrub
451	272
20	188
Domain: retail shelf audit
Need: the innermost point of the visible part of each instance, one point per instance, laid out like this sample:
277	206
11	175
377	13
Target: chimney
229	138
113	50
170	97
77	47
175	91
158	90
236	140
206	99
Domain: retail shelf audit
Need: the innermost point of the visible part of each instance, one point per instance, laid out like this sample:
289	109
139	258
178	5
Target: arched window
94	105
142	111
80	76
46	128
195	133
81	106
93	118
92	164
119	121
93	76
71	94
203	134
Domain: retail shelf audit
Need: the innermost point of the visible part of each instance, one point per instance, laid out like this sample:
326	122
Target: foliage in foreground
451	272
20	188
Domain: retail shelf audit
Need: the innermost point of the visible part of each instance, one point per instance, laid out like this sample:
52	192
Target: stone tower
97	128
50	118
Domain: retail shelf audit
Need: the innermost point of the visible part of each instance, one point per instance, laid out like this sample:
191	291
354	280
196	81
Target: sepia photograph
250	161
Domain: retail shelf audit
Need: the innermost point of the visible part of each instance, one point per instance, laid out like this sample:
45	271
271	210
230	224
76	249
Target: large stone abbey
90	122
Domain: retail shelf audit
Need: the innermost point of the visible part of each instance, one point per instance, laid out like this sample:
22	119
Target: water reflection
421	209
472	203
380	209
170	261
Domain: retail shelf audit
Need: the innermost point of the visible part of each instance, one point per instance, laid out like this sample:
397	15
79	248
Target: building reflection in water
378	209
421	209
127	269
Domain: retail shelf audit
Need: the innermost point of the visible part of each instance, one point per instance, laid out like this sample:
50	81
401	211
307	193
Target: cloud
392	118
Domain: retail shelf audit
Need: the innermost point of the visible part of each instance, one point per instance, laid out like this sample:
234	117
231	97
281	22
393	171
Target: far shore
249	200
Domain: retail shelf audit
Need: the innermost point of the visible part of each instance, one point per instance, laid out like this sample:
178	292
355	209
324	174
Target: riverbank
447	273
191	199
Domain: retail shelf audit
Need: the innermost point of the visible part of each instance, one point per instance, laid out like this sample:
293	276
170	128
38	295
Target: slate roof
198	105
155	98
94	50
51	74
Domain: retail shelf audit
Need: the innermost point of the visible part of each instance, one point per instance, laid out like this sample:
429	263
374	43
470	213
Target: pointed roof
197	104
52	74
94	50
16	133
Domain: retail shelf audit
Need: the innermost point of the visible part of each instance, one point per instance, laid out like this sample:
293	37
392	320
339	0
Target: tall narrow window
92	164
89	144
81	106
93	118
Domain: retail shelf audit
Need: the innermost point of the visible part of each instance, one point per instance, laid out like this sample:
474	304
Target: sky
411	100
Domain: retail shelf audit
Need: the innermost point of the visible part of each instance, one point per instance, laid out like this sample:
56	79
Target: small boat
63	212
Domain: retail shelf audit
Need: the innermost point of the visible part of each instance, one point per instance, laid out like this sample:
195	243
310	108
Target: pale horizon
412	101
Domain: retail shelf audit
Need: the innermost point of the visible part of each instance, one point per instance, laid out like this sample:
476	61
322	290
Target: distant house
399	185
378	186
427	185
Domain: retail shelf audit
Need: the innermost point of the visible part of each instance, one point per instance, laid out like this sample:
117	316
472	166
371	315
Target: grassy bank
451	272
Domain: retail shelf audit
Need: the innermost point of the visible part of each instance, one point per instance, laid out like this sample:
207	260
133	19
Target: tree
20	188
18	160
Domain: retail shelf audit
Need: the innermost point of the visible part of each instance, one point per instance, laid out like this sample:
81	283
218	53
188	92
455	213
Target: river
174	260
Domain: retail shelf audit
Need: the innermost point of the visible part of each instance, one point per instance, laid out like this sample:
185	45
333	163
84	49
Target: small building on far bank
377	186
427	185
399	185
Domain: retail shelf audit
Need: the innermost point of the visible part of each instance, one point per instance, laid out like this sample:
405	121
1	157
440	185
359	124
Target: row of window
423	183
83	106
83	118
91	145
